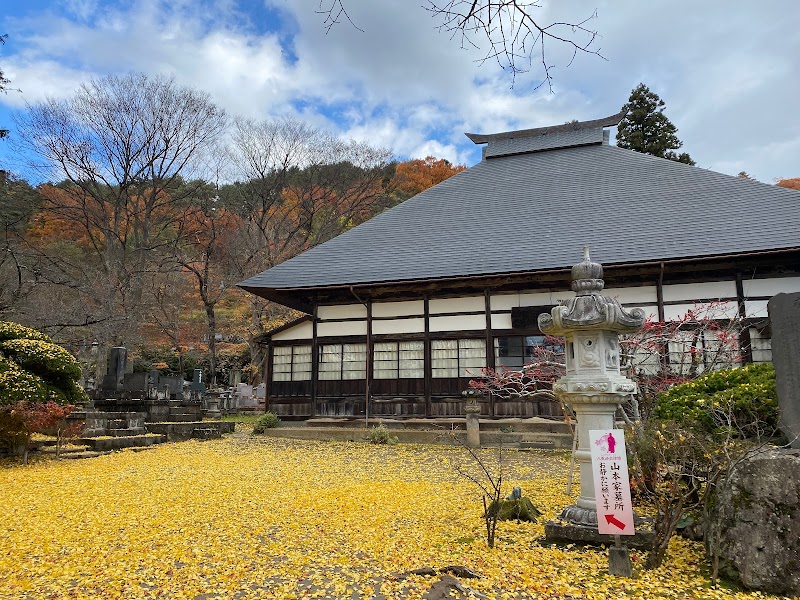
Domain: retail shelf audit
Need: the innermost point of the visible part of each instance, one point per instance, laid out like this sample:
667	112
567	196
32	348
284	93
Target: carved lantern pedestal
593	385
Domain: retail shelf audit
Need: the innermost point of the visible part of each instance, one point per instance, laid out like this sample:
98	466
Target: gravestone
198	385
244	394
115	370
136	383
784	316
261	393
172	386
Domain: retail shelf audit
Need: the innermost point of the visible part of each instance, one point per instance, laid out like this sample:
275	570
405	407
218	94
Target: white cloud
729	76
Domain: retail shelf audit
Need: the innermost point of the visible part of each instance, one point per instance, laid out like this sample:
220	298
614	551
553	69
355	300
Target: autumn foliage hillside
154	266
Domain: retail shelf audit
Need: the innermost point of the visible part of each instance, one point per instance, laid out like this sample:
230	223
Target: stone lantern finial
587	276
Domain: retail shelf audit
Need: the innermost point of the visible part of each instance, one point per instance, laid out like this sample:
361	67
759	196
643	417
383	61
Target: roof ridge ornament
610	121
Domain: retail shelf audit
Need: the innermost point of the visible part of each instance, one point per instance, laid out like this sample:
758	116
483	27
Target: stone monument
472	414
784	318
116	364
593	385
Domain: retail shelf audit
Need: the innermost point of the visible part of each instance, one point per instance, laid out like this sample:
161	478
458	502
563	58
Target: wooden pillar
745	342
368	360
314	361
427	354
664	350
490	362
268	380
660	293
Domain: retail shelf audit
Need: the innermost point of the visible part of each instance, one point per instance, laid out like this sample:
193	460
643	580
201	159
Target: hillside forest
151	204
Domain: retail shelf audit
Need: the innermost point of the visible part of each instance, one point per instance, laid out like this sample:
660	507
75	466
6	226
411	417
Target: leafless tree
300	187
508	30
125	147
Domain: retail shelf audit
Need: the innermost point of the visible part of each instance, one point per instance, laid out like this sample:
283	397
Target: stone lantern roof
589	310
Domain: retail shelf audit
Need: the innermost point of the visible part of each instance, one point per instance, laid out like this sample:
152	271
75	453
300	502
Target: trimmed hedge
15	331
33	369
746	394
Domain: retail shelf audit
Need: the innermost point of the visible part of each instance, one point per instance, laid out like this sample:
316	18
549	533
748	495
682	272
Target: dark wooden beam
745	342
314	361
268	381
427	354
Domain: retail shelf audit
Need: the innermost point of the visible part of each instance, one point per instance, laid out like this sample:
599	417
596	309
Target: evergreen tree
645	128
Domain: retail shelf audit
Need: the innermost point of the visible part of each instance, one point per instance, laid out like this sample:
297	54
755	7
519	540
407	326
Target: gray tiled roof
546	141
530	212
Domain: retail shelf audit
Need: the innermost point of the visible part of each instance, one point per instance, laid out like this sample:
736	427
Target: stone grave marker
115	370
784	316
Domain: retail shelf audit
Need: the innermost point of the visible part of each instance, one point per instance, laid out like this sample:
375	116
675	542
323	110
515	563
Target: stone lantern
593	385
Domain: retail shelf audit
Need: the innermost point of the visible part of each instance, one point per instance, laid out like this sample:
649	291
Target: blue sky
729	72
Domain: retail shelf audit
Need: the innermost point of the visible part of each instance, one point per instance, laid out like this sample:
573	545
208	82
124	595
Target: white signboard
612	488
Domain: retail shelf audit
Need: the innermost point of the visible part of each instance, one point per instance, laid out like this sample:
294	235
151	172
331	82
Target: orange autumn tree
295	186
414	176
792	183
203	243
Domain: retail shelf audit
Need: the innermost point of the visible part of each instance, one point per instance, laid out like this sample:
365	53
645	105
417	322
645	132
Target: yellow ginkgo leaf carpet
247	517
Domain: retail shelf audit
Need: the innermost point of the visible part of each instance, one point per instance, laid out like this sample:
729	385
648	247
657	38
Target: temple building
403	310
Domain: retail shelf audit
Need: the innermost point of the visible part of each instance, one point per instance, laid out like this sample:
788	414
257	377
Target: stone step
192	409
546	440
100	444
126	431
206	433
68	449
501	425
182	418
494	439
84	454
183	430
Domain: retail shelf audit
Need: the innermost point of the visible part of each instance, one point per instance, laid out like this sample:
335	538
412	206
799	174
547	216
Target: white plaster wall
301	331
342	311
398	309
504	301
693	291
399	326
728	310
501	321
633	295
342	328
458	323
451	305
770	287
756	308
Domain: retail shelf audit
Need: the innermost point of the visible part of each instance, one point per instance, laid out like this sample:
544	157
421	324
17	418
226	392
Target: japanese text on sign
612	488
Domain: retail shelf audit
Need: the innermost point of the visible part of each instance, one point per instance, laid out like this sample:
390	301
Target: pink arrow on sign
612	520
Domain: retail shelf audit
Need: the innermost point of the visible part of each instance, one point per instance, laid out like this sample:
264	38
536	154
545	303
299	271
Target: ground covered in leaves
248	517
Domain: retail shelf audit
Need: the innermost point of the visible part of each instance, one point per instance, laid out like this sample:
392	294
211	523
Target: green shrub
266	421
45	359
18	385
33	369
381	435
15	331
742	398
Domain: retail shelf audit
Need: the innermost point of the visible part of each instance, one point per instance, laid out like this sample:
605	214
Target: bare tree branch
512	32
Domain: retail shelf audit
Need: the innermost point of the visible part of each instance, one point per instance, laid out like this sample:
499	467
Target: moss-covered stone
521	509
